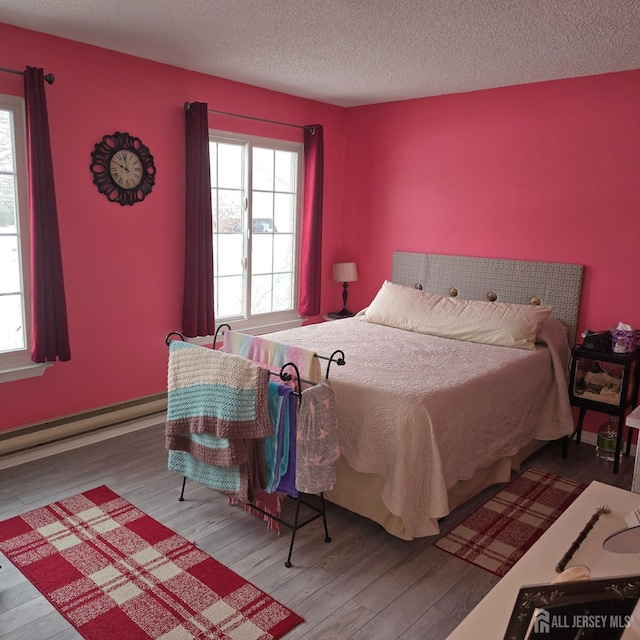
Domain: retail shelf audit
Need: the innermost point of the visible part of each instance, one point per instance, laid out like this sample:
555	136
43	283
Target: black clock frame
101	160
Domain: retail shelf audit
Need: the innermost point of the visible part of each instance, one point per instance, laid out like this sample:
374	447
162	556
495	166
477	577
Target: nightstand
606	382
329	318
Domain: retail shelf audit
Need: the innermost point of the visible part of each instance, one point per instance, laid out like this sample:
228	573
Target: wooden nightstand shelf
606	382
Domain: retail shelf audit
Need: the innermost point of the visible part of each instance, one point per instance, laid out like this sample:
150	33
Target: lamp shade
345	272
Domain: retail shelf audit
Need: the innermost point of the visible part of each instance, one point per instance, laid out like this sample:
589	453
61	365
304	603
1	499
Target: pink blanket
275	354
317	440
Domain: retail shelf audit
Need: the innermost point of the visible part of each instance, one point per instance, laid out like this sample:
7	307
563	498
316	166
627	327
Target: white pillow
498	323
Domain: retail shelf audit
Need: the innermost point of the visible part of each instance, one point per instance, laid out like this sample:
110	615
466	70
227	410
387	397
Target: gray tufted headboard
552	283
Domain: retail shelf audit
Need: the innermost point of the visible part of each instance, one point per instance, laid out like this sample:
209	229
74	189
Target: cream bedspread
425	412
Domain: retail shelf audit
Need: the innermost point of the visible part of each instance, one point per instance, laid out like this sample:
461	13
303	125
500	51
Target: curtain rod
187	106
50	78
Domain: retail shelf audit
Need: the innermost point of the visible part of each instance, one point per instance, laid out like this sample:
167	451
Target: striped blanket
272	353
280	458
217	416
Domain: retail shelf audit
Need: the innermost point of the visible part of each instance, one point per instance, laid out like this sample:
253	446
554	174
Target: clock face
126	169
123	168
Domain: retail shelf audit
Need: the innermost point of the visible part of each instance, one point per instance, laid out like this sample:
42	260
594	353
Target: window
256	206
15	360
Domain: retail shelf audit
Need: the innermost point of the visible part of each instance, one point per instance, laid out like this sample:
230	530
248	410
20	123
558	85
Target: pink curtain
197	310
311	241
49	330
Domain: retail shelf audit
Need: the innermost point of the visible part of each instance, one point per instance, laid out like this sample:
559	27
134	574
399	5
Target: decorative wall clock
123	168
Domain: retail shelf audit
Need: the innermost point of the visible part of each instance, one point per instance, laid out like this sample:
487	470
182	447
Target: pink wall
123	267
547	171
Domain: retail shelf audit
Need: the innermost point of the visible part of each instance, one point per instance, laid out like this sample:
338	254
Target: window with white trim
15	359
256	212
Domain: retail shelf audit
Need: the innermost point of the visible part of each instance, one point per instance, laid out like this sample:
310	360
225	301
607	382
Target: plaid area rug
497	534
114	572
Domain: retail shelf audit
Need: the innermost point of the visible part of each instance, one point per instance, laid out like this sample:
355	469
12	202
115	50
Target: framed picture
590	609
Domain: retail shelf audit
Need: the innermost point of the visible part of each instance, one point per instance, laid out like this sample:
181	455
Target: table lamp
344	272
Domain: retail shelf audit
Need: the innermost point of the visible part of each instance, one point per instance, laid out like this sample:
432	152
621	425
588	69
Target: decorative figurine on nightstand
344	272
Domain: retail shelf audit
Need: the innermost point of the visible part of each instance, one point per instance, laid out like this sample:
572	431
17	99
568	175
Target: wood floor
365	584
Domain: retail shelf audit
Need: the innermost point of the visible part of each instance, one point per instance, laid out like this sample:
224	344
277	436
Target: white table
491	617
633	421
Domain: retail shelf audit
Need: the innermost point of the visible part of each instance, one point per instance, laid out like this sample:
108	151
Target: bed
426	421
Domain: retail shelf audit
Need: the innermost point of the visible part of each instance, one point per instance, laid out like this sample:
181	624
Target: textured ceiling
353	52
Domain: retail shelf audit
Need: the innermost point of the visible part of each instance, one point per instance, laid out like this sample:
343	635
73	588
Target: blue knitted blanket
217	416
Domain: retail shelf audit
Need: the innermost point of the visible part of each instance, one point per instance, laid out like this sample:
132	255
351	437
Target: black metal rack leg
293	533
324	519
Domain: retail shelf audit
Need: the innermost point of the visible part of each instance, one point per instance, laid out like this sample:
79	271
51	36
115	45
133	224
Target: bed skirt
360	492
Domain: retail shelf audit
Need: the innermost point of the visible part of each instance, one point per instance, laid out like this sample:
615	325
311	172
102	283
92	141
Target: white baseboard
589	437
45	438
35	448
51	449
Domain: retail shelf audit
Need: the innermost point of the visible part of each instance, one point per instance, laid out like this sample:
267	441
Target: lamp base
345	313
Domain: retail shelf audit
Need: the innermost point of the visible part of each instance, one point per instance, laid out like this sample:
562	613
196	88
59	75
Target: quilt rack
318	511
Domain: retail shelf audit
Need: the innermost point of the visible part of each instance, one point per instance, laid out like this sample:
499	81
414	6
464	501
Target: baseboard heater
34	435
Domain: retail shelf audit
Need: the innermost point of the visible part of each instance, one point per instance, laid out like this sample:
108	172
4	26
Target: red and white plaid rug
114	572
497	535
